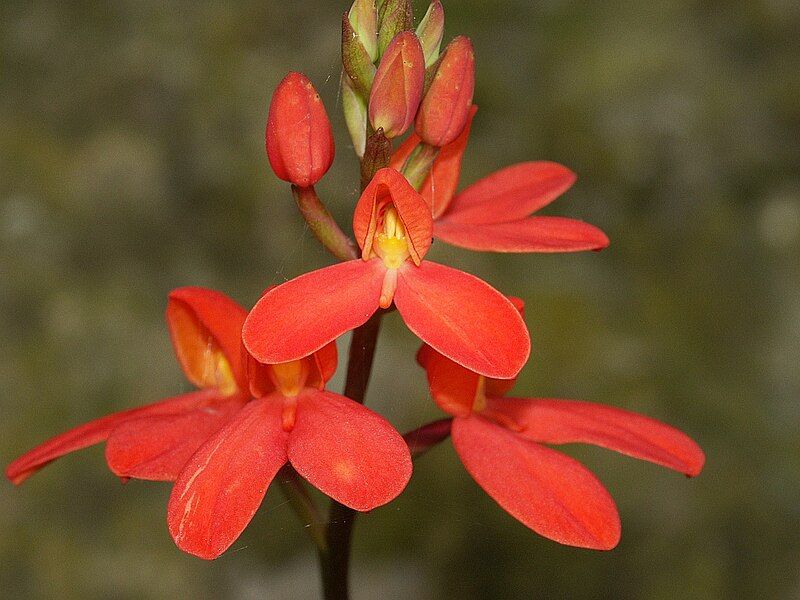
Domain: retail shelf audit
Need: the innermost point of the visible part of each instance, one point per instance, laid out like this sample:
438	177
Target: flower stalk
424	438
303	505
322	224
419	164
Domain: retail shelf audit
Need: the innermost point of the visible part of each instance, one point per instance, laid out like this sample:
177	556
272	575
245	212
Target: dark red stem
335	558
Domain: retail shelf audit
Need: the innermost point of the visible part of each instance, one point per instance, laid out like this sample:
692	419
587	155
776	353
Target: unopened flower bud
394	16
358	66
397	87
299	137
363	18
445	108
430	31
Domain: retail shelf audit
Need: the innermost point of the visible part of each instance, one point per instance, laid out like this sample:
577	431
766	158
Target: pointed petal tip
601	239
96	431
559	421
510	194
696	463
17	474
547	235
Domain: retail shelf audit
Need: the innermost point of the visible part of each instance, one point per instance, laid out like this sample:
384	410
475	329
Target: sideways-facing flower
155	441
254	416
493	213
344	449
499	441
299	138
460	315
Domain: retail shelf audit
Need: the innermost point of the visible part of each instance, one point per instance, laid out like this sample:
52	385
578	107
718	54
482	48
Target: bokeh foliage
132	162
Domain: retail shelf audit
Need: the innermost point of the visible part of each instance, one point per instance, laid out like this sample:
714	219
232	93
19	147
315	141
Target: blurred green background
132	162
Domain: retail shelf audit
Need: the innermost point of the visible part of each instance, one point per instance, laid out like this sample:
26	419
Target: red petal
534	234
452	387
349	452
158	447
389	186
326	360
302	315
511	193
567	421
97	431
223	484
440	186
442	183
463	318
547	491
203	322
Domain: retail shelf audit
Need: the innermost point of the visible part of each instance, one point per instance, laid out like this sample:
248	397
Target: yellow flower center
479	404
290	377
391	244
212	370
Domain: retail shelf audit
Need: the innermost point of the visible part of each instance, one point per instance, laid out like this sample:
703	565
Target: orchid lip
391	246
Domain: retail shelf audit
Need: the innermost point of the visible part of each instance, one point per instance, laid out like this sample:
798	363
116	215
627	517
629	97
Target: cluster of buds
262	401
394	76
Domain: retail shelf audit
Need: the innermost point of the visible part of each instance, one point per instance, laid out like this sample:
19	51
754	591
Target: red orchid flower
257	416
344	449
155	441
493	213
458	314
499	441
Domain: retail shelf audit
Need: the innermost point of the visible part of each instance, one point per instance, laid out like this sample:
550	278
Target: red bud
445	108
299	137
397	87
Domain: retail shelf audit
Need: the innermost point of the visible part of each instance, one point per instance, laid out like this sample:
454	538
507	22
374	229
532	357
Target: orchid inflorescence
262	403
